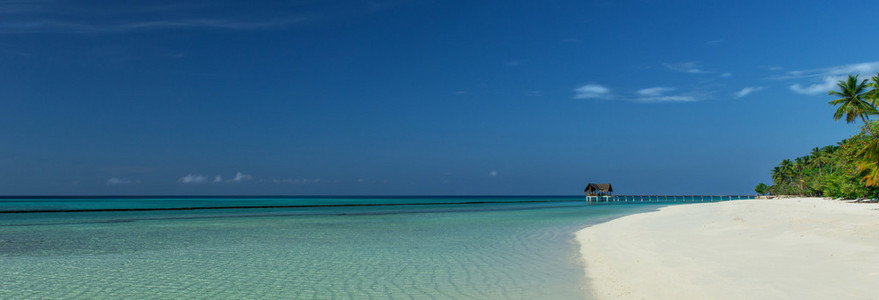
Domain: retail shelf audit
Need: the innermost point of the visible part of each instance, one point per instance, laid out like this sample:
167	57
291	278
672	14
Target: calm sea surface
302	248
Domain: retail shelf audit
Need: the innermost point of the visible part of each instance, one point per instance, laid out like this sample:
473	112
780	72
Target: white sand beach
801	248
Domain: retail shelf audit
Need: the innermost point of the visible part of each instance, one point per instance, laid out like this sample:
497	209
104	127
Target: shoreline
779	248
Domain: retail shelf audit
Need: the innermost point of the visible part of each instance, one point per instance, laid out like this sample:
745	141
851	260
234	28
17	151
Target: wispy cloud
654	91
591	91
823	80
665	99
62	17
119	181
820	88
820	81
714	42
492	173
865	68
193	179
12	7
209	23
659	95
239	177
62	26
686	67
747	91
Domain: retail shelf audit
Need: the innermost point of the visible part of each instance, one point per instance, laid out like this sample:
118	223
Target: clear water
492	248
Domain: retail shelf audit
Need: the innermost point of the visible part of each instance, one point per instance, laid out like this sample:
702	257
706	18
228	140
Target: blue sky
418	97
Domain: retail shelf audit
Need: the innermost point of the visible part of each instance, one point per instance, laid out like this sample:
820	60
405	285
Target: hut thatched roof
598	187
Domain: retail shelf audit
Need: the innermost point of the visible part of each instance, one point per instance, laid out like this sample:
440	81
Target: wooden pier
665	198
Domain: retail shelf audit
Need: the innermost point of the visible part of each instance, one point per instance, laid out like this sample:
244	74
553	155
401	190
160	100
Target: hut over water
598	189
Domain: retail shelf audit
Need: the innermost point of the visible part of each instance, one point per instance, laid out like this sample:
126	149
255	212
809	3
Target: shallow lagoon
475	251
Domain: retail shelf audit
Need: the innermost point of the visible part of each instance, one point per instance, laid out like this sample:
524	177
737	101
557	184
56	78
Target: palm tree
787	171
800	165
873	95
869	163
869	172
818	158
852	101
828	155
777	175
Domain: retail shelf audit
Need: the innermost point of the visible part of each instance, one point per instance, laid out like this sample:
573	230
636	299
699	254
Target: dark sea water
297	248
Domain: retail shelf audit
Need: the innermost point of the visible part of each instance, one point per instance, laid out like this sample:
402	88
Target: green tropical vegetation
761	189
849	169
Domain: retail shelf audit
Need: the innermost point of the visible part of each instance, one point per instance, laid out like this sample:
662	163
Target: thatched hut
598	189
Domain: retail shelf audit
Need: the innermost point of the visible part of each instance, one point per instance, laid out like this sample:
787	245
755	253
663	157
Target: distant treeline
849	169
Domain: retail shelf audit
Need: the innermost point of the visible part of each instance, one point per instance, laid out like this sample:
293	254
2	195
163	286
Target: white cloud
820	81
865	69
193	179
591	91
687	67
726	75
492	173
646	95
665	99
747	91
239	177
658	95
819	88
655	91
116	180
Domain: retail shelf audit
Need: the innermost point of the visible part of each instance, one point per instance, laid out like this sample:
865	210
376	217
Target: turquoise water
488	248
